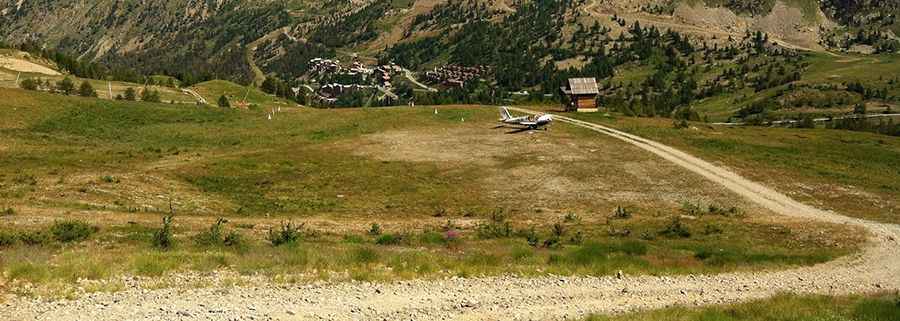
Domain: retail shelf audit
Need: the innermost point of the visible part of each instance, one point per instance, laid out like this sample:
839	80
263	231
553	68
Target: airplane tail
504	113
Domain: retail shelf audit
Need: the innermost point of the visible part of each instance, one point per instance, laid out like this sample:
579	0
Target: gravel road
875	268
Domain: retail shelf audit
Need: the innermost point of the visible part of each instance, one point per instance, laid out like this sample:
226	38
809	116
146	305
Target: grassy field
783	308
450	195
239	96
854	173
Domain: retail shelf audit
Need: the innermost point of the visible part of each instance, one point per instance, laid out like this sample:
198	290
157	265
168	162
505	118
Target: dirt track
876	268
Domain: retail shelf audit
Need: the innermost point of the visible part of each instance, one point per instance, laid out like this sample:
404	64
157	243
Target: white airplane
530	122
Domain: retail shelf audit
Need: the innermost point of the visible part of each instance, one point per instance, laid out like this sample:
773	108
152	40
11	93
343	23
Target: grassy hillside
241	96
377	189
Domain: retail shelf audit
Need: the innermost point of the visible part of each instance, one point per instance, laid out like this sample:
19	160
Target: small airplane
529	122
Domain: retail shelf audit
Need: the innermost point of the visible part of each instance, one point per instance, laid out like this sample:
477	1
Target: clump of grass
496	227
216	235
34	238
571	218
110	179
287	234
7	239
72	231
389	239
676	228
9	211
163	238
375	229
531	237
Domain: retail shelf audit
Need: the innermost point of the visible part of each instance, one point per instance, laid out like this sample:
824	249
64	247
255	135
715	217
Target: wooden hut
582	93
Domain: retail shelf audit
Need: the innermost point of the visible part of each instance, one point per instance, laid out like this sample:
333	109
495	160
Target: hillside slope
215	37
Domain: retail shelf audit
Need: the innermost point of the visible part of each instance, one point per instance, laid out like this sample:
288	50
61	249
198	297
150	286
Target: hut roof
583	86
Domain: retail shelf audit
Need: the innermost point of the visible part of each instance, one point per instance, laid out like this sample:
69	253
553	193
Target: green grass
237	94
782	308
117	165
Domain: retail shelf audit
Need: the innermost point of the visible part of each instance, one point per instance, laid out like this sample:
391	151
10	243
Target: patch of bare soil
551	170
22	65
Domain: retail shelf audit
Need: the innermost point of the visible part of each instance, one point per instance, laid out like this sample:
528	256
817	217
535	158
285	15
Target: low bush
375	230
496	227
389	239
9	211
676	228
286	234
163	238
72	231
34	238
214	235
7	239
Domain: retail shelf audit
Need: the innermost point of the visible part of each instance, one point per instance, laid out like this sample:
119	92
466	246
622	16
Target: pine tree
66	86
130	95
223	102
86	90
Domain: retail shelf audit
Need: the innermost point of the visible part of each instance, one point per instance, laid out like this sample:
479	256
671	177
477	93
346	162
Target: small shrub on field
9	211
676	228
577	238
721	211
571	218
286	234
496	227
558	230
648	236
246	226
212	236
712	229
7	239
389	239
164	238
34	238
110	179
439	212
621	213
618	232
375	230
531	237
72	231
552	243
691	209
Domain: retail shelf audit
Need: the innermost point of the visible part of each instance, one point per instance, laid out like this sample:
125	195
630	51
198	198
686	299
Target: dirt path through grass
876	268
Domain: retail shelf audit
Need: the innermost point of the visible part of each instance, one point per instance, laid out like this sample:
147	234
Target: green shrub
72	231
110	179
163	238
432	237
213	235
9	211
34	238
496	227
233	239
389	239
7	239
286	234
375	230
676	229
532	238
